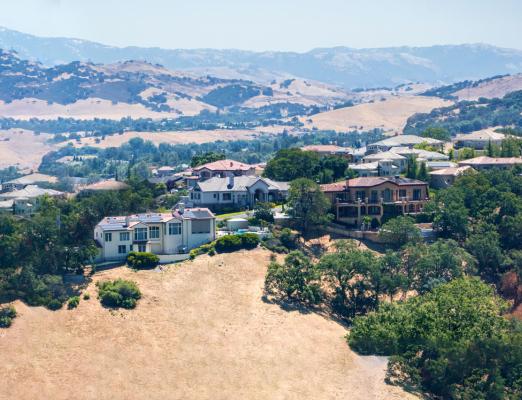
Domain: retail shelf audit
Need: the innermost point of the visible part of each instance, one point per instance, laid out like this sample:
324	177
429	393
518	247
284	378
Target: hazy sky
297	25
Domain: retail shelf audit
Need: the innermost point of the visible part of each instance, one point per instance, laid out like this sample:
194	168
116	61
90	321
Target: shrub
288	239
249	240
118	293
228	243
73	302
86	296
142	260
7	314
54	305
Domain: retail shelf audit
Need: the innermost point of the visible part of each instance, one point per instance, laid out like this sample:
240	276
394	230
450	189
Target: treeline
137	154
469	116
37	252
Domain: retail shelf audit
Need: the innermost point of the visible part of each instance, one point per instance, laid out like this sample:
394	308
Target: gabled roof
333	187
484	160
326	148
405	140
378	180
33	178
240	184
454	171
109	184
225	165
30	192
481	136
385	155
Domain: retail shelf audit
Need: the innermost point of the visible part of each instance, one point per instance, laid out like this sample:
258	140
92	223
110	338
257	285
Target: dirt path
201	331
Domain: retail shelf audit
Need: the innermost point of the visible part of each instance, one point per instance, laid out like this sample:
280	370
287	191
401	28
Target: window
124	236
360	195
154	232
142	248
227	196
140	234
108	237
122	249
402	193
201	226
417	194
175	228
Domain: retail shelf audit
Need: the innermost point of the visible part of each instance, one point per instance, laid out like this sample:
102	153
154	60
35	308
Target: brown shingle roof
225	165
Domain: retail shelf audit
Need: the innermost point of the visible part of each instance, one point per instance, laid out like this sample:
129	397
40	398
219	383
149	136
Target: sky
288	25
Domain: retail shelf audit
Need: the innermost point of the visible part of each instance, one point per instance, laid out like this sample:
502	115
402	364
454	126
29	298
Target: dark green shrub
7	314
86	296
73	302
249	240
118	293
142	260
228	243
287	238
54	305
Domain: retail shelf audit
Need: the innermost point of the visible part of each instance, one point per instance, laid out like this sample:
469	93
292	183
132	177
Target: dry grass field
390	115
22	148
201	331
491	89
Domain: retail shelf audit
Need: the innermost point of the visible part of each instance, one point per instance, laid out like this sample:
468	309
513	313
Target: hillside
390	115
492	87
219	341
347	67
138	89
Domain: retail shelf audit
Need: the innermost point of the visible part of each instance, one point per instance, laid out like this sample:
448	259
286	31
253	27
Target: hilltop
343	66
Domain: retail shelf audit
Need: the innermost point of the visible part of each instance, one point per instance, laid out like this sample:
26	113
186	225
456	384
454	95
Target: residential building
395	163
163	234
382	167
223	168
479	140
237	191
32	179
484	162
402	140
164	171
444	178
26	201
330	150
375	197
419	154
436	165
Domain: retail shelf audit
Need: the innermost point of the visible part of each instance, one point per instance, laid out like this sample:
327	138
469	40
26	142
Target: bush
230	243
263	212
73	302
86	296
118	293
288	239
7	314
142	260
54	305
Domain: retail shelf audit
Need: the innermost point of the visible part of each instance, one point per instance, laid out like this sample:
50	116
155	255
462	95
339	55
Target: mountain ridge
344	66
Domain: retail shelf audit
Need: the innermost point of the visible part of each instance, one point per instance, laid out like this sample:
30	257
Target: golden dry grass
390	115
491	89
201	331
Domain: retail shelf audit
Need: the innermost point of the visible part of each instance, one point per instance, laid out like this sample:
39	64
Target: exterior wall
110	249
441	181
476	144
205	173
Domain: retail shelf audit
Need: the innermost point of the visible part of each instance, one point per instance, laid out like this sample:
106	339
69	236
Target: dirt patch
201	331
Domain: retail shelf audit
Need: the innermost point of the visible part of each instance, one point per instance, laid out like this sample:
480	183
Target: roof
166	168
440	164
378	180
384	155
453	171
405	140
120	223
240	184
33	178
6	204
420	153
333	187
326	148
225	165
109	184
481	136
484	160
30	192
364	167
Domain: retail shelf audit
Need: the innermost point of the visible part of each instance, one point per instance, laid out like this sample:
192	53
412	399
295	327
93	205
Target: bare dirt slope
390	115
201	331
22	148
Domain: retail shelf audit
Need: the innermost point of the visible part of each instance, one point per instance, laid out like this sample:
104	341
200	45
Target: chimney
127	221
230	181
181	208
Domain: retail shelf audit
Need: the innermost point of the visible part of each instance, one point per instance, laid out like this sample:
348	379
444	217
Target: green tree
422	174
307	203
290	164
263	212
296	279
511	147
437	133
411	168
484	245
206	158
399	231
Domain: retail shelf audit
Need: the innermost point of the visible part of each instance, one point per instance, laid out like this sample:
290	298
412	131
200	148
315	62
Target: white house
479	140
223	168
237	191
163	234
402	141
26	201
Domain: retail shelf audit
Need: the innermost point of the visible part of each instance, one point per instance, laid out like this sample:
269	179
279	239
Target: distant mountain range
343	66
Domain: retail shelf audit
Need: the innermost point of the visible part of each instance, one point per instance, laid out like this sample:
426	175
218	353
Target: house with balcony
164	234
375	197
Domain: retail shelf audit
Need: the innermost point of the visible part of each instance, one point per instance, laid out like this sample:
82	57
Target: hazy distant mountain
339	65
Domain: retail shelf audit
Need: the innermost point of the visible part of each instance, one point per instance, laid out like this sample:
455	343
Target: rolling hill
343	66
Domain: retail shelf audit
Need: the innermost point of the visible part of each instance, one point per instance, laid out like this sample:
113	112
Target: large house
25	201
446	177
223	168
402	141
330	150
484	162
160	233
479	140
390	163
237	192
375	197
32	179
